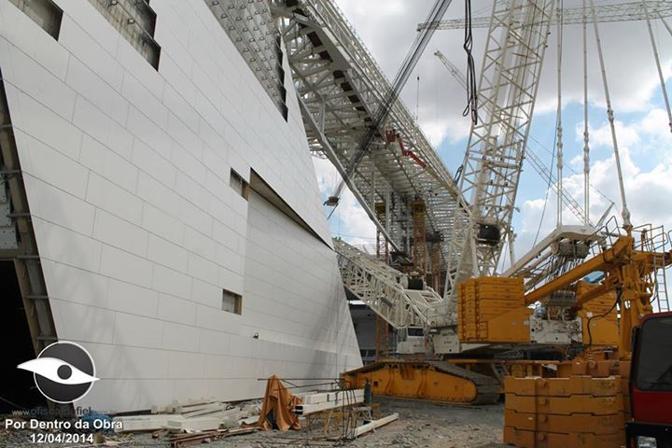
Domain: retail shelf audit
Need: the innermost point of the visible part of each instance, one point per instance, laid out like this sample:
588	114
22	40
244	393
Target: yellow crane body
548	412
574	411
425	380
578	403
492	310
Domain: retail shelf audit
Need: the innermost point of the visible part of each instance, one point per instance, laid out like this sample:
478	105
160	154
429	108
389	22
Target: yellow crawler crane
494	312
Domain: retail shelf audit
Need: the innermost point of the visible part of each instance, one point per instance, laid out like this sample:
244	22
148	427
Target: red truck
651	384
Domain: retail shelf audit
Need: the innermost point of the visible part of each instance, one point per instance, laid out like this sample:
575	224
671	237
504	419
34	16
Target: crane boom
512	63
620	12
536	161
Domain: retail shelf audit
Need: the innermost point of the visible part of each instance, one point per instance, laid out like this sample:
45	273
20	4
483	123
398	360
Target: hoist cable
667	26
472	90
548	189
586	135
558	122
656	56
612	125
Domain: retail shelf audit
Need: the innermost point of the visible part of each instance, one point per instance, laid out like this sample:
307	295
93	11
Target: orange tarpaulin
278	409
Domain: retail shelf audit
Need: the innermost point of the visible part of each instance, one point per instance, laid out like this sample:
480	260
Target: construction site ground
420	424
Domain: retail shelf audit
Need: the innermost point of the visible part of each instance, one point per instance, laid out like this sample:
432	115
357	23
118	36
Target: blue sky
643	135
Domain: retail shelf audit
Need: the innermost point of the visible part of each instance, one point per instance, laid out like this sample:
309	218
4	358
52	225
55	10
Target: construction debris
193	424
180	440
319	402
372	425
182	424
133	423
191	418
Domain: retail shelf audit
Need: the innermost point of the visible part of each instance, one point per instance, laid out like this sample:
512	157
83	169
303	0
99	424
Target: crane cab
651	384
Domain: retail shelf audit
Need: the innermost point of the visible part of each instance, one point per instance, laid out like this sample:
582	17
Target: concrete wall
127	175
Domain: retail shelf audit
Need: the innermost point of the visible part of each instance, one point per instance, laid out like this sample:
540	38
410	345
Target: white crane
515	47
617	12
507	90
531	155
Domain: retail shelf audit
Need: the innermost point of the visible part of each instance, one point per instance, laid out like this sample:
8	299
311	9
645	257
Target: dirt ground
423	425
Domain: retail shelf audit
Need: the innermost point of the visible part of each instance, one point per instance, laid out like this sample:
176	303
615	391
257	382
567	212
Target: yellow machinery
588	404
495	311
578	411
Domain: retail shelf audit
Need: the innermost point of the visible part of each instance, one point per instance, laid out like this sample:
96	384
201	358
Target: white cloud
354	224
349	220
389	26
327	175
648	192
626	135
438	130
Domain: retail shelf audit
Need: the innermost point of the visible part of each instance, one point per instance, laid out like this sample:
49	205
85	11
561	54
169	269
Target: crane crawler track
487	387
428	380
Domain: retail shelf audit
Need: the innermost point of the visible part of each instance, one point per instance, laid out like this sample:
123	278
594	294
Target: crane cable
472	89
610	116
557	144
667	26
619	293
558	123
661	77
669	30
586	135
548	189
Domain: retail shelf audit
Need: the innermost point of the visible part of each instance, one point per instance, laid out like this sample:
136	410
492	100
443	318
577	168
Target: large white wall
127	175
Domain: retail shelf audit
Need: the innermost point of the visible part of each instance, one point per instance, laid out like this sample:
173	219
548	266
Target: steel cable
472	90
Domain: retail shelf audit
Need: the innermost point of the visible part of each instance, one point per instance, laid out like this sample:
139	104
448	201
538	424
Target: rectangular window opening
232	302
135	20
239	184
43	12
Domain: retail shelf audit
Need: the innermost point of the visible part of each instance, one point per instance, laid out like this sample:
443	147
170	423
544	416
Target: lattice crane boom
514	55
534	159
619	12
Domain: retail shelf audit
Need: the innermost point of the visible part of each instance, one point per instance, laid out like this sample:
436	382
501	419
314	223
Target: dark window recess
414	331
281	103
232	302
653	370
135	20
239	184
43	12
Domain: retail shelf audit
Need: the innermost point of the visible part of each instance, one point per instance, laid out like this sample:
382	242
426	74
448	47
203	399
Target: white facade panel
90	85
127	175
175	309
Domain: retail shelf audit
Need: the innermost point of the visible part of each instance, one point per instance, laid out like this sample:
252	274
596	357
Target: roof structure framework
341	89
